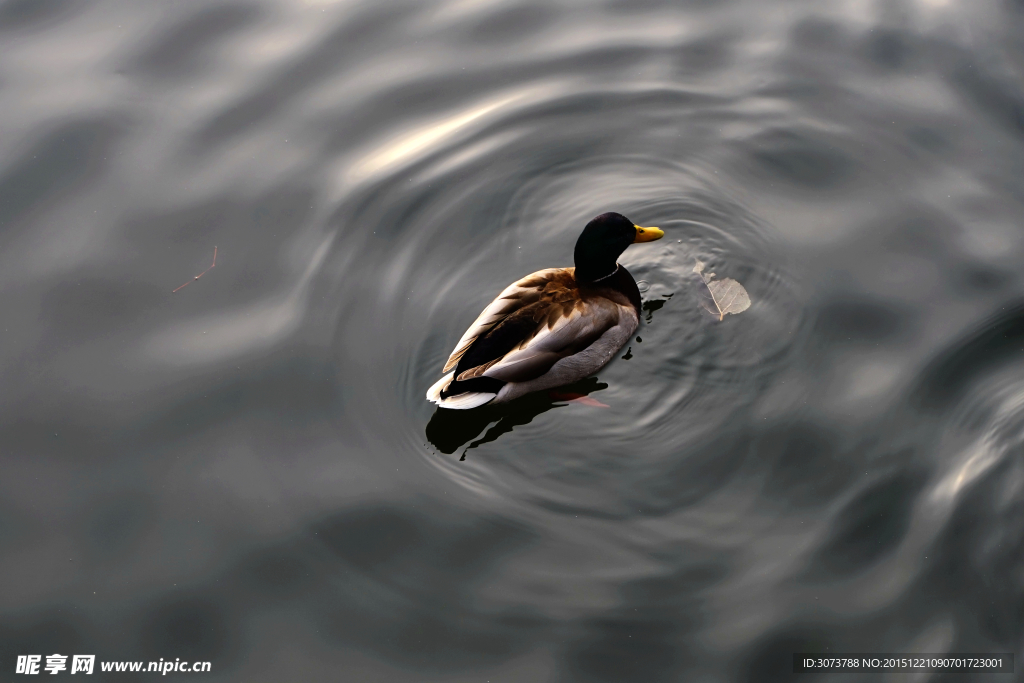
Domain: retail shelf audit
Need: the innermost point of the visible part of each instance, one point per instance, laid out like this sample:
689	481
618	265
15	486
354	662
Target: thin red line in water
212	265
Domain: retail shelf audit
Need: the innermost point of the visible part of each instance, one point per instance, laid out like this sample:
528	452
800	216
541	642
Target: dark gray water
246	471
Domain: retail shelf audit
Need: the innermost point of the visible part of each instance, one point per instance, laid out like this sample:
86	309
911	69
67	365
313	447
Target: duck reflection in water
449	430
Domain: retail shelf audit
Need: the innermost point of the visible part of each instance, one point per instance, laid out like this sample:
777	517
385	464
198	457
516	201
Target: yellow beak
647	234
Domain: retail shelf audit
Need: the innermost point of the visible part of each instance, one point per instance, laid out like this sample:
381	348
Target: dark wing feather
492	346
489	348
517	295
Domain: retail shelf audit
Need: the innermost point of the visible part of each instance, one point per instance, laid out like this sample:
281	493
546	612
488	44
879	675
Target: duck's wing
541	319
556	337
513	298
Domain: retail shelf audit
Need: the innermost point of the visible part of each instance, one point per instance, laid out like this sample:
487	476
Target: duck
551	328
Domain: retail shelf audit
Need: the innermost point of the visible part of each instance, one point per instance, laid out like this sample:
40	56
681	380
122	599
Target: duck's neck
607	277
593	267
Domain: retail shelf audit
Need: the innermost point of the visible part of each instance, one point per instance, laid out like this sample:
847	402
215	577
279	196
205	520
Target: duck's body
551	328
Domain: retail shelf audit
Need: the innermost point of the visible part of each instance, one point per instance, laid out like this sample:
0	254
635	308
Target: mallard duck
551	328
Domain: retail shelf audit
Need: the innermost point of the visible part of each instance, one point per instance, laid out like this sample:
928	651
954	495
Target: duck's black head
603	241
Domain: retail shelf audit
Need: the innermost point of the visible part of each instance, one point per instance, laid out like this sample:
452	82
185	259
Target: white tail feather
470	399
434	392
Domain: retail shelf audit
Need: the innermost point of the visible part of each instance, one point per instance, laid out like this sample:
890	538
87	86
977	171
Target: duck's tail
463	401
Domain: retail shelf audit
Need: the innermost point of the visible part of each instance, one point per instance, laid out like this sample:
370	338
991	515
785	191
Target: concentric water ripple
448	219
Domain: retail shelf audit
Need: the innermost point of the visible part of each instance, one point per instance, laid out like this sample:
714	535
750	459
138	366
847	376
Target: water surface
245	471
